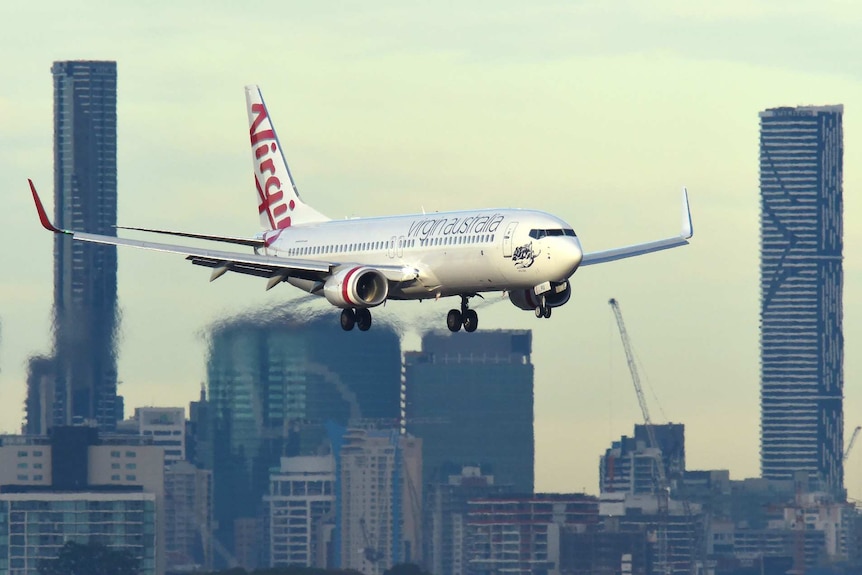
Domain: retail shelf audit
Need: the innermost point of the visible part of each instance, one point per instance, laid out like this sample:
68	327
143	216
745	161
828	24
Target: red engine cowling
526	299
356	287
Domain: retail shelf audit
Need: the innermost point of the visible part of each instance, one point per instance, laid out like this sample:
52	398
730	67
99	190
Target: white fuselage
460	252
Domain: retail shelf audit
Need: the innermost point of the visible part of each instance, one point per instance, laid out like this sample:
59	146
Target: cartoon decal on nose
524	256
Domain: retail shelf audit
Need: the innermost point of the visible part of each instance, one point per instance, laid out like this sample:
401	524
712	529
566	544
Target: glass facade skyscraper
469	397
85	275
801	278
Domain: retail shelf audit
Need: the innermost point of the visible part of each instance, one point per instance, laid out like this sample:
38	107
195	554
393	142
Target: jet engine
558	295
359	287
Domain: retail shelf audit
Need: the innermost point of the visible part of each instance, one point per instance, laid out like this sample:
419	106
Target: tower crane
662	487
851	442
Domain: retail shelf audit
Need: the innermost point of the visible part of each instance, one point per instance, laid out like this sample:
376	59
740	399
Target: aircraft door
507	239
392	247
400	246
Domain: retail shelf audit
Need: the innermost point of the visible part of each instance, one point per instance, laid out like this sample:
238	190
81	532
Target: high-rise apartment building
801	276
273	386
445	518
469	397
521	534
630	465
167	428
85	275
379	500
301	517
188	516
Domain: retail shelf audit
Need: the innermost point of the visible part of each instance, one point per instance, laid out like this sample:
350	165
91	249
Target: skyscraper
85	275
469	397
380	500
801	276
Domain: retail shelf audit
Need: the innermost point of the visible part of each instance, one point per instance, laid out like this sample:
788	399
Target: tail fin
278	200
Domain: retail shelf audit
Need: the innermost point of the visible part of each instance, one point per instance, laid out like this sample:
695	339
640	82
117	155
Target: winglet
43	217
687	229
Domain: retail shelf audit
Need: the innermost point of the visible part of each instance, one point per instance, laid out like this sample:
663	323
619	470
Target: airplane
361	263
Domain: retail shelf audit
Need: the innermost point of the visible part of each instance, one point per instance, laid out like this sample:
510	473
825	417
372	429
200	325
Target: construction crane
636	381
662	489
851	442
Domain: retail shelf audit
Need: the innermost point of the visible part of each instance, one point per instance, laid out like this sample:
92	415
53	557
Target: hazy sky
597	111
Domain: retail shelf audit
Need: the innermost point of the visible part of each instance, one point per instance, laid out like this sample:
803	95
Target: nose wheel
464	317
360	317
543	309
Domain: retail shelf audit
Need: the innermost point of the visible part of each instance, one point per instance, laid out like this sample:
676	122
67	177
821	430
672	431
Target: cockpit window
537	234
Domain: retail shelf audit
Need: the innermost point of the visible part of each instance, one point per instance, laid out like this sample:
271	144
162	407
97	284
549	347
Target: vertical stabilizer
278	200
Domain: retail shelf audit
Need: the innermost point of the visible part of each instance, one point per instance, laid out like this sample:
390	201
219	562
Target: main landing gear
543	309
466	317
361	317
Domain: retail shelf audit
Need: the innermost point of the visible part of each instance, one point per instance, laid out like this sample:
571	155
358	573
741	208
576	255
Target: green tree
405	569
90	559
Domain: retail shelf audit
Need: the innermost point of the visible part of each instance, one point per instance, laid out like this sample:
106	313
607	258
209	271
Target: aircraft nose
577	254
573	254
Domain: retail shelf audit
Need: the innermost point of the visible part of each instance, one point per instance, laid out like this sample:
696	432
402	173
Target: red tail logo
270	194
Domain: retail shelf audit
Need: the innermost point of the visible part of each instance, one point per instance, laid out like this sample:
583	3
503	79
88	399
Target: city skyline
597	114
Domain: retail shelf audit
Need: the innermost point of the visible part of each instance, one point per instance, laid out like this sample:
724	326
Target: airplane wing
648	247
222	261
275	269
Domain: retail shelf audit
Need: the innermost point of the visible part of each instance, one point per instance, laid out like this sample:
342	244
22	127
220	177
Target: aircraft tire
547	312
539	311
363	319
471	320
454	320
348	319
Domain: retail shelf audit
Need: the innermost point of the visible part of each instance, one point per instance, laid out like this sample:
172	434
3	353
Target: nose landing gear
543	309
465	316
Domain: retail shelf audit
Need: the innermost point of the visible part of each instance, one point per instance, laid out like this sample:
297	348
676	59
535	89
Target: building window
131	466
131	478
37	478
115	478
22	465
22	453
115	454
23	478
115	466
131	454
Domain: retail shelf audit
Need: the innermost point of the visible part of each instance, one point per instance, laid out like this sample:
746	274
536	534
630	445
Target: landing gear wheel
454	320
547	312
539	311
363	319
471	320
348	318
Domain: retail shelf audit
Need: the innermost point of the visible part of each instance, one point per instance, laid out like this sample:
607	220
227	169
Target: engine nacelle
527	299
356	287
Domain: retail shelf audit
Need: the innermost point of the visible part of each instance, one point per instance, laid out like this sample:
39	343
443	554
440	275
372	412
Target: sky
596	111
